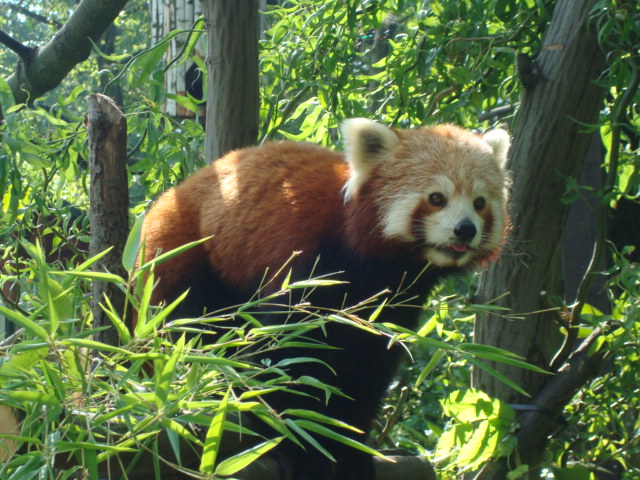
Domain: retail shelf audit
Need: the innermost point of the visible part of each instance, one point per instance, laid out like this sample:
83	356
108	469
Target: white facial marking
492	239
437	230
479	187
396	219
443	184
444	248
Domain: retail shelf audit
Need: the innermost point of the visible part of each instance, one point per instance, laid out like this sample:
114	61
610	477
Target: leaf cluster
404	63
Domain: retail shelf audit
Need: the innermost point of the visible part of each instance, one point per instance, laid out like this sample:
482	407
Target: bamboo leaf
435	358
29	325
327	432
132	247
166	376
493	372
169	255
236	463
214	435
152	324
97	276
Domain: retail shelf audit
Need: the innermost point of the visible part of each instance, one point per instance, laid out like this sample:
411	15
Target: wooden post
109	202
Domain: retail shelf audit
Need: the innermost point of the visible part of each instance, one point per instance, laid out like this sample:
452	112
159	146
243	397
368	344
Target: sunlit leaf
214	436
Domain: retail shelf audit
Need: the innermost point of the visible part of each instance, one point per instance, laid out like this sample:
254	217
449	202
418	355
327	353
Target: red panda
398	206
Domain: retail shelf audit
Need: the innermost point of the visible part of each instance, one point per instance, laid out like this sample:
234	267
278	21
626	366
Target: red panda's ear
366	142
498	140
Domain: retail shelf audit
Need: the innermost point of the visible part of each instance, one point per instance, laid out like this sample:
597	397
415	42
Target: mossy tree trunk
550	143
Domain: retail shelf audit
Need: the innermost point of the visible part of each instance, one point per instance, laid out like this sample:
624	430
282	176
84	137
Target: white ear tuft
366	142
498	140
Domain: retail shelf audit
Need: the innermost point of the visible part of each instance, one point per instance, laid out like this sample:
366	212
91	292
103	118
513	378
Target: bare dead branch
109	200
14	45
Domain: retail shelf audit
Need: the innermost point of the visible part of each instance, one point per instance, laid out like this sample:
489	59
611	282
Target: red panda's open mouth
454	250
458	248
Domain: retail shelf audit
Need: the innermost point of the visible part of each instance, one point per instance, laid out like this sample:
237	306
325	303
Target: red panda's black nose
465	230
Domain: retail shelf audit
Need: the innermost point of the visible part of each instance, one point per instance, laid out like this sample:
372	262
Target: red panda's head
441	189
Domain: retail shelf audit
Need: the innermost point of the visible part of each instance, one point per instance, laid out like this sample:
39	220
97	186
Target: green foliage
403	62
160	390
157	391
603	429
479	430
406	63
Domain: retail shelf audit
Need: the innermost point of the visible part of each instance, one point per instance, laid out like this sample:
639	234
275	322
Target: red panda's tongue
458	248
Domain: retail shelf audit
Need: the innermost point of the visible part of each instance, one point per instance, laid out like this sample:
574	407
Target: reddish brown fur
281	191
262	203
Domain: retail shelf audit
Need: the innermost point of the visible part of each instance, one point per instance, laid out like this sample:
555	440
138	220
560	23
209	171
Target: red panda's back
259	204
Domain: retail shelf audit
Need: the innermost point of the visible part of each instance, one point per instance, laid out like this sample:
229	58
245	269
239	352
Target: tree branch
28	13
49	65
22	50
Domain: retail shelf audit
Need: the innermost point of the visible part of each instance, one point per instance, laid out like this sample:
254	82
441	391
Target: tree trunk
550	145
109	203
232	64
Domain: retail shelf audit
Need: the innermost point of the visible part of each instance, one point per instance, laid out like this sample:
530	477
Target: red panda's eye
479	203
437	199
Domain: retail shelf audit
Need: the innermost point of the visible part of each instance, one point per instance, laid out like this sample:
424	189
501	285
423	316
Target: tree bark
109	203
45	67
232	64
550	145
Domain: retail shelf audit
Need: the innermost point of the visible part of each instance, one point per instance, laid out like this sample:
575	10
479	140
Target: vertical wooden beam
109	202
